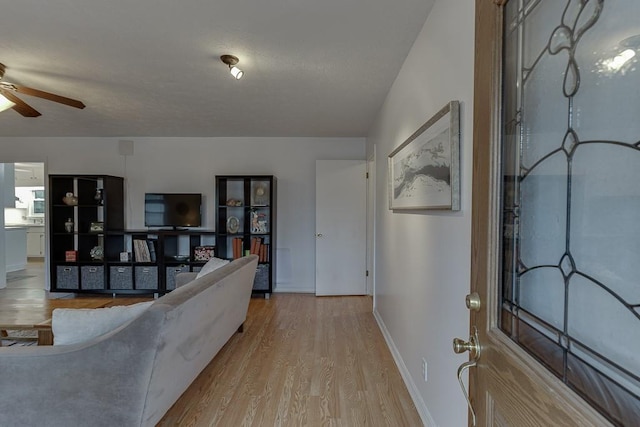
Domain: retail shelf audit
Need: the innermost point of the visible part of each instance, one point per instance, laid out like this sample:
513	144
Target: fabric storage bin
120	277
67	277
196	269
170	279
92	277
146	277
261	282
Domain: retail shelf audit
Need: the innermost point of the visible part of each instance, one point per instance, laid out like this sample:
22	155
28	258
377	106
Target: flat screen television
172	210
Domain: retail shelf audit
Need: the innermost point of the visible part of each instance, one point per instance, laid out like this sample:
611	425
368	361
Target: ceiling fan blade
21	106
49	96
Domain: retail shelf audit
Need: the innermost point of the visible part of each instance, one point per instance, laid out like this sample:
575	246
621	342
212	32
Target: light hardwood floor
301	361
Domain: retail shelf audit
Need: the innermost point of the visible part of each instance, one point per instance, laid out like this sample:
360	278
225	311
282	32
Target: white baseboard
293	290
423	411
10	268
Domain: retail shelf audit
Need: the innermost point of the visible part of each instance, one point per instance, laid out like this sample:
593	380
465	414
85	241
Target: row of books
144	250
260	249
257	248
237	247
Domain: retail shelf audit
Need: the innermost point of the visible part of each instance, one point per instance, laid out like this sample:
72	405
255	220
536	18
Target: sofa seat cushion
76	325
212	265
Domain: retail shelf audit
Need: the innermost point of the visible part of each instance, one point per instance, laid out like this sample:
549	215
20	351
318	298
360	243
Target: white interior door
341	227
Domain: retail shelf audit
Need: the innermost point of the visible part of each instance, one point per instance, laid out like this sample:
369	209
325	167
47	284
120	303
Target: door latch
473	347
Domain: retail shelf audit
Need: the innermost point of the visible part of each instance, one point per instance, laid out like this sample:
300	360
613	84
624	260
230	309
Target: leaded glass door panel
556	200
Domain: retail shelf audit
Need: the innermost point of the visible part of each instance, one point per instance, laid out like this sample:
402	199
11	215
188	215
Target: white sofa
132	375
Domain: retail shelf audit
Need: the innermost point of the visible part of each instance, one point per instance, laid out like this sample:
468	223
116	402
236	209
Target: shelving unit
174	253
246	223
92	252
76	263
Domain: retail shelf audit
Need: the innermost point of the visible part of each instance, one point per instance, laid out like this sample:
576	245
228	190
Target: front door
556	236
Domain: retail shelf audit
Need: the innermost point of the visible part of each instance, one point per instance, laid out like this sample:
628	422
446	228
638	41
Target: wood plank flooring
301	361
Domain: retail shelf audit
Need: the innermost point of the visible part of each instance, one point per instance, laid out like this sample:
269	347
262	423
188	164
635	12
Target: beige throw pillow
211	265
75	325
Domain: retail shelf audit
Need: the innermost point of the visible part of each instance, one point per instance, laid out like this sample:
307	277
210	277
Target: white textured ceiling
152	68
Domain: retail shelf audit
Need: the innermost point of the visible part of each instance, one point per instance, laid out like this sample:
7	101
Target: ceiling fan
8	90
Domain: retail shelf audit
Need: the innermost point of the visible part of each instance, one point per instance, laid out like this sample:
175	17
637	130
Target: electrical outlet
424	369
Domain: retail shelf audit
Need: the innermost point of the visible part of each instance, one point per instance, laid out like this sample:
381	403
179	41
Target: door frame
18	159
498	351
371	223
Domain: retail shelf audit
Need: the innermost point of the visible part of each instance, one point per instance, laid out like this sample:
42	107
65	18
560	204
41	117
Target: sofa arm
184	278
101	382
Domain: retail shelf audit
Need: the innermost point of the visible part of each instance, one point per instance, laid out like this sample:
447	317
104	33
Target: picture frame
424	171
203	253
96	227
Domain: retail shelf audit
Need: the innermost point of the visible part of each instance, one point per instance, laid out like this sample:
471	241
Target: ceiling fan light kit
232	61
8	90
5	104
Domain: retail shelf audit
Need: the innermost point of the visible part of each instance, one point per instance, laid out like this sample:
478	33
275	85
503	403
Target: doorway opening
24	222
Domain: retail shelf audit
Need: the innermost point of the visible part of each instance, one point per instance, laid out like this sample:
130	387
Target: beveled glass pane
544	109
542	293
601	322
538	26
605	222
543	213
547	351
613	81
617	403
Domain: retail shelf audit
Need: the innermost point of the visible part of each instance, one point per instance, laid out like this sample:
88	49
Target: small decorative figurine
70	199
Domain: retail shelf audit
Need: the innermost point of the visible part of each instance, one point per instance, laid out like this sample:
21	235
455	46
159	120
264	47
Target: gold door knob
460	346
473	301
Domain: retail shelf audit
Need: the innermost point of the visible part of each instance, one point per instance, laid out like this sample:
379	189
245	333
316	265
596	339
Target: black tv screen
172	210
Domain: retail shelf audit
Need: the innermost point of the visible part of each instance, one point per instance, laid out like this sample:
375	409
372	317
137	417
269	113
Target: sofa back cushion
201	316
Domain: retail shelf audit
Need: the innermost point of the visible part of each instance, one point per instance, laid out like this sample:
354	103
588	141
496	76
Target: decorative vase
70	199
69	225
98	196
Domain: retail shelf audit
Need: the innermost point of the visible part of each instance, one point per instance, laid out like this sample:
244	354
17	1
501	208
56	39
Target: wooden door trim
486	102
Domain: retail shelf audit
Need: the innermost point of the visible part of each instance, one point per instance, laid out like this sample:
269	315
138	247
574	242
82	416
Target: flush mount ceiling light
231	61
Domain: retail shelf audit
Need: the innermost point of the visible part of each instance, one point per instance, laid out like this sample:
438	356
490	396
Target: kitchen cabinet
16	248
35	242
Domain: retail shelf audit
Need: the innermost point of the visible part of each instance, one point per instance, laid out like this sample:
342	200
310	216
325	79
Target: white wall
190	165
3	234
423	258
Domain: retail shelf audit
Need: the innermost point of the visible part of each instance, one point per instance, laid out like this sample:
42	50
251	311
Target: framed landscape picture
424	171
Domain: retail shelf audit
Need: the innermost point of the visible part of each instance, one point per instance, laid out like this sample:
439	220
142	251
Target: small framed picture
96	227
203	253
